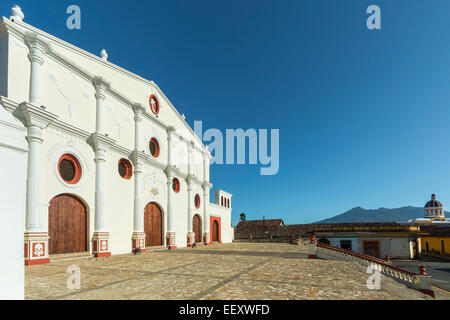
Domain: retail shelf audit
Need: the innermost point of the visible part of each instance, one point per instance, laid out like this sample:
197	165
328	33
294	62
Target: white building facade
111	165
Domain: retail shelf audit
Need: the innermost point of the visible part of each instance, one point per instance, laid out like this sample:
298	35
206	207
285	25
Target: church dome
433	203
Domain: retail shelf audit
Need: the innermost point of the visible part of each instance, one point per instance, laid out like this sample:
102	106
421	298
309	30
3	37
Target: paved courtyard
222	271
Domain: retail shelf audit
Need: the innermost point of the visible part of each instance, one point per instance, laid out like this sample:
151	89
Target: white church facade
110	164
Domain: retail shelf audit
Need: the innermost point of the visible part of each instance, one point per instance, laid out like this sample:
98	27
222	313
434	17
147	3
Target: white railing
419	281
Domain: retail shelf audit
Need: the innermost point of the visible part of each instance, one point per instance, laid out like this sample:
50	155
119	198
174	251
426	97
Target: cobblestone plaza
222	271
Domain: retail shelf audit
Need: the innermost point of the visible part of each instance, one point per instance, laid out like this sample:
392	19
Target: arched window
125	169
176	185
221	201
154	147
69	169
197	201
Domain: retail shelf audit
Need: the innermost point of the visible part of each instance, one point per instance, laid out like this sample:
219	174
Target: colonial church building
110	164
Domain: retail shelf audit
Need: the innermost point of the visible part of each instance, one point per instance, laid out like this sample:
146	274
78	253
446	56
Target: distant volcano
359	214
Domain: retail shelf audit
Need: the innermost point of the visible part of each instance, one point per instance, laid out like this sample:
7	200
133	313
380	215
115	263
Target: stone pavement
223	271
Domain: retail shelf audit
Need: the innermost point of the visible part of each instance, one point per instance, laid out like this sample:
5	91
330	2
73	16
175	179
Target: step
70	256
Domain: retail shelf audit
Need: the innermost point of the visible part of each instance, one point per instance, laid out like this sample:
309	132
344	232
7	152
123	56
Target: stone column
138	237
35	120
190	233
170	235
206	187
36	56
101	87
100	142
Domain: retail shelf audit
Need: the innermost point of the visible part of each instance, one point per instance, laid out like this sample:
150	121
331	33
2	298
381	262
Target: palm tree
243	217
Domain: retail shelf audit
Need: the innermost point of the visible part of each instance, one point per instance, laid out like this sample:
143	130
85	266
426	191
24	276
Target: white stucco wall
225	215
12	206
70	95
395	247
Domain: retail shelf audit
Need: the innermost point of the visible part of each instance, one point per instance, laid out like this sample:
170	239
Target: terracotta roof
366	227
436	229
260	223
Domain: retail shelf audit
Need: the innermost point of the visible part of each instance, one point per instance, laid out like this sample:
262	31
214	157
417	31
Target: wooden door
215	231
67	225
197	229
153	225
372	248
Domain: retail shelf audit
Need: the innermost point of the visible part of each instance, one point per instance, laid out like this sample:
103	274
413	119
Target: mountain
359	214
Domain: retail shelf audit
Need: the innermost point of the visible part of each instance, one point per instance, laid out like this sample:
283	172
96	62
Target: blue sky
363	115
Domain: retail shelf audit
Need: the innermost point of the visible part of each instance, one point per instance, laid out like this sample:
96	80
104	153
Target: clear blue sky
363	115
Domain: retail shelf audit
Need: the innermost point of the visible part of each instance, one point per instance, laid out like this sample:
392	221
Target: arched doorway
153	226
215	231
67	225
196	226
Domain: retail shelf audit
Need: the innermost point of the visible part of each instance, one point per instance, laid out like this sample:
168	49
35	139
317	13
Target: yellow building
435	239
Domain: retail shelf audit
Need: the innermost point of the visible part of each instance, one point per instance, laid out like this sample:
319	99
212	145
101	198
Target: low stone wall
285	234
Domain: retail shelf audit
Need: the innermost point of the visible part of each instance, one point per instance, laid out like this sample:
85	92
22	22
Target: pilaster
170	235
35	120
100	239
206	220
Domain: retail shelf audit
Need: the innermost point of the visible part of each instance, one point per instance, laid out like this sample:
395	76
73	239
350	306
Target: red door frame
211	223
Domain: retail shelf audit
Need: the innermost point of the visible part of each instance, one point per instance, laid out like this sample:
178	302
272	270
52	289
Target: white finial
104	55
16	13
184	117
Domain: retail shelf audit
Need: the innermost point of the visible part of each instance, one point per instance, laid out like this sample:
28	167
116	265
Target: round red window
69	169
125	169
154	104
176	185
197	201
154	147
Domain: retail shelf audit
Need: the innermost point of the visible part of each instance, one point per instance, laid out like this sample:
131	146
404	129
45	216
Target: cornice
207	185
99	141
172	171
17	25
190	178
11	106
32	115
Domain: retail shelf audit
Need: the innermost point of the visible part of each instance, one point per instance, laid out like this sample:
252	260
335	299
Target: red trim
156	155
76	165
128	168
176	185
171	247
211	221
155	108
37	262
102	254
429	292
